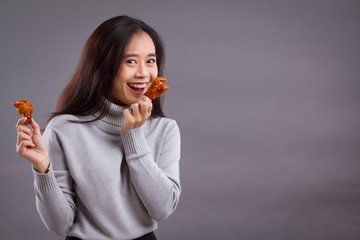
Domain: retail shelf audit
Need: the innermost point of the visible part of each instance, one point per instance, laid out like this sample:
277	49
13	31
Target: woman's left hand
140	112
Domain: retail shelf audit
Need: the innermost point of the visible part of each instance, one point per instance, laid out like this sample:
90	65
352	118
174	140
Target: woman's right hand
31	145
139	113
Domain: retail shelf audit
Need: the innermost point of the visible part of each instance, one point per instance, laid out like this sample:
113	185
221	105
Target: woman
107	165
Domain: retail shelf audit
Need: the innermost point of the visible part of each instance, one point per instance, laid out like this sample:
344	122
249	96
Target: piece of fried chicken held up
25	109
157	88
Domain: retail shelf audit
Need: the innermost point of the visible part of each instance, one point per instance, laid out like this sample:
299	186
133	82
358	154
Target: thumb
128	114
35	127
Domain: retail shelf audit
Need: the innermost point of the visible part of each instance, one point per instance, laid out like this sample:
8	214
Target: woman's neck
112	121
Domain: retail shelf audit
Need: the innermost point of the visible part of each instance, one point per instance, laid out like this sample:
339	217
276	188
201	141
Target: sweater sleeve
156	182
54	190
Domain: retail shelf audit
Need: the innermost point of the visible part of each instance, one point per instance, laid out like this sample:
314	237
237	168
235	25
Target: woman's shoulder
162	123
64	121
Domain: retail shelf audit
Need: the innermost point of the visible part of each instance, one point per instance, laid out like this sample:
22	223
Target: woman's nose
142	71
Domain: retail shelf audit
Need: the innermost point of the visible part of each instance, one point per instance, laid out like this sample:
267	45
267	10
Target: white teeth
134	85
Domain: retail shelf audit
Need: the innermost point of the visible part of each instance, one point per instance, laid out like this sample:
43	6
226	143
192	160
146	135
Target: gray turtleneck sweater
104	183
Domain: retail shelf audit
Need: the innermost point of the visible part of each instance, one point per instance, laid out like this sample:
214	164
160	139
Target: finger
129	120
22	128
23	146
147	101
35	127
149	112
128	116
21	121
143	109
23	136
150	106
20	137
136	111
145	98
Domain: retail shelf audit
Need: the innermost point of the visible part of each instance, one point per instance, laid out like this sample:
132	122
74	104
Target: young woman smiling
107	165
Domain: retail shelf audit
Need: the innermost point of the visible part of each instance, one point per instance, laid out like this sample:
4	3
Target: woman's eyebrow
136	55
131	55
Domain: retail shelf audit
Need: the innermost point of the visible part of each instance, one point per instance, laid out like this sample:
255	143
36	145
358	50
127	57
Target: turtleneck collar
112	121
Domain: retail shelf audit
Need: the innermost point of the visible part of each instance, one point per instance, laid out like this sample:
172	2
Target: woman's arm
54	190
157	183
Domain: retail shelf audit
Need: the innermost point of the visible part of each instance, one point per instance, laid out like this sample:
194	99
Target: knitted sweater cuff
44	182
135	144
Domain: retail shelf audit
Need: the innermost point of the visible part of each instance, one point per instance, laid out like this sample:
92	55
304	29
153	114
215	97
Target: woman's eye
151	61
131	61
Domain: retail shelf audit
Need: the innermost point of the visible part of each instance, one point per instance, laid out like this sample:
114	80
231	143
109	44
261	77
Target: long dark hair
100	61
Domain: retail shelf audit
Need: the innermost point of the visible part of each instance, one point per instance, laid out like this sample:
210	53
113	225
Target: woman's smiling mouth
138	88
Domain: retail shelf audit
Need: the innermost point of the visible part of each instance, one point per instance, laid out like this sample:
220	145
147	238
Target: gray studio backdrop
266	94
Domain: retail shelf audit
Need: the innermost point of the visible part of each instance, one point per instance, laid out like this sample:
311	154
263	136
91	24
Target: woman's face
136	70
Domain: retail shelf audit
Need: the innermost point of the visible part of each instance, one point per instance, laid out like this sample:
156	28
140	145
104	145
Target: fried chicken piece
25	109
157	88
